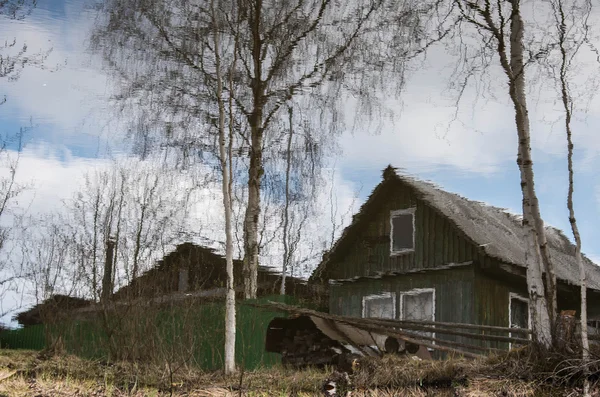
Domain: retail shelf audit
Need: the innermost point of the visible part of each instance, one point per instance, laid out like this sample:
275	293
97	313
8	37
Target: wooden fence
412	331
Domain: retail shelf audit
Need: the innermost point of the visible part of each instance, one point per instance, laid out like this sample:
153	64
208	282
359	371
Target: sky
469	149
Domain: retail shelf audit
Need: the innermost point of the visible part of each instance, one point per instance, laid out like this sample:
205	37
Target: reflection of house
190	271
417	252
192	268
50	307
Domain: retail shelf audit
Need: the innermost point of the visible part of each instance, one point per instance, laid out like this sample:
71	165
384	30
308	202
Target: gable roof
207	269
497	232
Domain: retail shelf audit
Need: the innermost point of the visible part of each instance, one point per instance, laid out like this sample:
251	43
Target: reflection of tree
10	218
14	57
305	53
132	205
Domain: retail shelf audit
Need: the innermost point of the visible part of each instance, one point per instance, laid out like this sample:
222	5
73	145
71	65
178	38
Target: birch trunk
230	297
541	310
286	213
255	170
542	296
568	106
585	344
252	216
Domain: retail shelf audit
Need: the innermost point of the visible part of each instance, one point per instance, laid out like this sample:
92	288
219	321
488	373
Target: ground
29	373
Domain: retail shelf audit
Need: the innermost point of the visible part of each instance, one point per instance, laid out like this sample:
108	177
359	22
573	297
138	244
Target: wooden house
193	269
417	252
50	309
189	272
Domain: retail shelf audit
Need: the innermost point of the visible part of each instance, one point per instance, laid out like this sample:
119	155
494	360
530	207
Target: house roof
212	269
56	304
497	232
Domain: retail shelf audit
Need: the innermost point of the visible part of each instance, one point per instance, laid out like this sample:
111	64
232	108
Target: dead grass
26	373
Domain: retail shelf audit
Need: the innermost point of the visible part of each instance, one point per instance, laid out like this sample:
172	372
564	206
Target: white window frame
379	296
393	213
418	291
593	326
511	296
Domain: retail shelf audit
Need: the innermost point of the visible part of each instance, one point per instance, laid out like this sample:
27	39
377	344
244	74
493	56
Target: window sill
403	252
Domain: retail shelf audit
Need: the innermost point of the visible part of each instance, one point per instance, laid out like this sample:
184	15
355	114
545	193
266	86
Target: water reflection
62	100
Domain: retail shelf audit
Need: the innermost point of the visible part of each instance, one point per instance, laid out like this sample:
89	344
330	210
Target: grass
29	373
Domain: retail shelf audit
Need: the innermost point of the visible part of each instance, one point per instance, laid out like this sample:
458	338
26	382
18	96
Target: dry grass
26	373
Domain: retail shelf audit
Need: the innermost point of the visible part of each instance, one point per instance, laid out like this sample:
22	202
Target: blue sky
471	151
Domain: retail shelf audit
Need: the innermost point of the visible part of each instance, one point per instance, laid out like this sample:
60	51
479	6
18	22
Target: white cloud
428	132
69	92
50	179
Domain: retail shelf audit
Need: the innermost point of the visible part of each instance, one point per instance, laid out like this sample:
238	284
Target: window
418	305
183	280
379	306
402	234
518	312
593	327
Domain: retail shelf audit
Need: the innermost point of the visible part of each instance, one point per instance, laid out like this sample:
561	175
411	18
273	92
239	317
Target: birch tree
225	157
286	212
302	159
286	50
572	33
501	28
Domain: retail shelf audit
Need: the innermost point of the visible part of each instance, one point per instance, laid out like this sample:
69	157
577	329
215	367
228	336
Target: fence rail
405	330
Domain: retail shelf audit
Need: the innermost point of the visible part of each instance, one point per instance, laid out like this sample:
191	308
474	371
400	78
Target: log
408	323
439	326
401	336
496	338
452	343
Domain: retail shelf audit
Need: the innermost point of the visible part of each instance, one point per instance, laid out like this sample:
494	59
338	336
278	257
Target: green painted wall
31	338
196	333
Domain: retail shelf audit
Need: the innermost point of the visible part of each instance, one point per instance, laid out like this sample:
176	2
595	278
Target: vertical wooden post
107	286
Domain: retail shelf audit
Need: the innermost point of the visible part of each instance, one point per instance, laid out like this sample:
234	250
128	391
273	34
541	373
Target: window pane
519	314
402	237
183	280
418	307
379	307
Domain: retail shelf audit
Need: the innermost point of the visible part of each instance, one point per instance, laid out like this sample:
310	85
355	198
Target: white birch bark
532	222
482	15
286	213
255	171
230	297
568	106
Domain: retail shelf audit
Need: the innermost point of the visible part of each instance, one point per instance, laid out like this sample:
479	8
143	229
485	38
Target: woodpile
306	347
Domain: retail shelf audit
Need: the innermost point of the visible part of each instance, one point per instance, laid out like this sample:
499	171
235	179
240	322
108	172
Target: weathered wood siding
437	242
454	294
491	301
476	294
